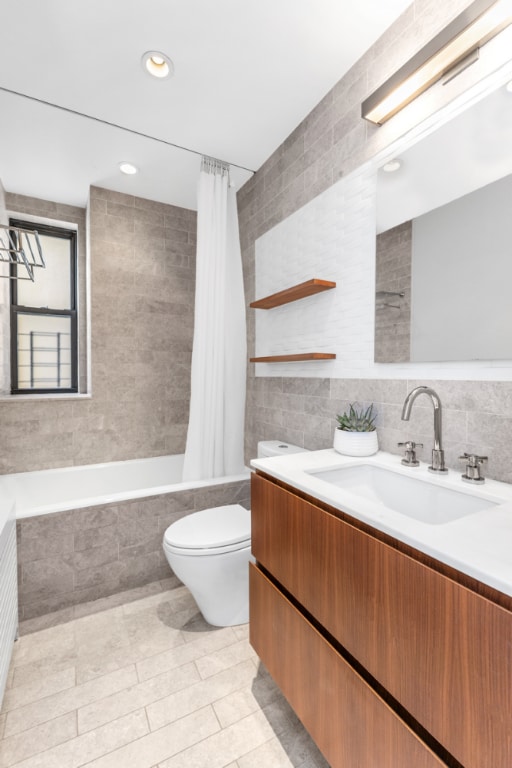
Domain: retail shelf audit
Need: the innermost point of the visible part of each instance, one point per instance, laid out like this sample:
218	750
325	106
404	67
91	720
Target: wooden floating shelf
293	358
294	293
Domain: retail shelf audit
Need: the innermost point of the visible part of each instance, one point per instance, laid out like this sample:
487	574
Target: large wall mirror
444	242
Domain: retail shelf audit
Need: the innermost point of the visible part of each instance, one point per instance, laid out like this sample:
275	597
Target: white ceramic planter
355	443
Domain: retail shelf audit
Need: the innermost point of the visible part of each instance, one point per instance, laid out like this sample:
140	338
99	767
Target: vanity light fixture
128	168
481	21
157	64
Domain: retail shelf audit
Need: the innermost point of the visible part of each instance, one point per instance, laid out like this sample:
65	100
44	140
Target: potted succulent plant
356	434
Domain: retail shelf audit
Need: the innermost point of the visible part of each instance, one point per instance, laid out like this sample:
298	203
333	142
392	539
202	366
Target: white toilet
209	552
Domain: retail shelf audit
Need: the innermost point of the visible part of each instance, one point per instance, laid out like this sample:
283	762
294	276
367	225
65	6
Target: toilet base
219	584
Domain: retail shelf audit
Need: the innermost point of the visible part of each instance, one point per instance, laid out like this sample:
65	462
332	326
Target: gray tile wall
477	416
393	260
333	140
142	309
73	557
142	293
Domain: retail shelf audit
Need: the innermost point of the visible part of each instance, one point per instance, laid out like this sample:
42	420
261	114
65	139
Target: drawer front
352	726
444	652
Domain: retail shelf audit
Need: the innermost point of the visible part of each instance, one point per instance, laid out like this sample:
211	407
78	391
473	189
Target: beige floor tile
48	643
90	667
144	628
211	703
10	677
179	597
42	668
262	693
226	746
281	716
225	658
88	626
162	613
53	706
241	631
202	645
93	745
235	707
271	754
301	749
171	615
91	664
196	625
135	697
101	633
38	688
156	642
196	696
158	746
16	748
139	635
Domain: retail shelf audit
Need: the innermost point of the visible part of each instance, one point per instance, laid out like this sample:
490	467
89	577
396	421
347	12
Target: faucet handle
473	463
410	459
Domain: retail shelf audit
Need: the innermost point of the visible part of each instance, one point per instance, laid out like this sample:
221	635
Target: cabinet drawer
441	650
351	724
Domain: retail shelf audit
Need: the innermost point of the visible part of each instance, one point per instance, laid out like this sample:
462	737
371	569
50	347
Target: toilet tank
267	448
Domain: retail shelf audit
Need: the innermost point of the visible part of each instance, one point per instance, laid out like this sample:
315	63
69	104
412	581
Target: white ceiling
246	73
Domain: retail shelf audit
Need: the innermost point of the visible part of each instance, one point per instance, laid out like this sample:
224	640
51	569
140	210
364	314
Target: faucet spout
437	452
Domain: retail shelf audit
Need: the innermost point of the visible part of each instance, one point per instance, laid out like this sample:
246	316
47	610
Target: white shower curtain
217	403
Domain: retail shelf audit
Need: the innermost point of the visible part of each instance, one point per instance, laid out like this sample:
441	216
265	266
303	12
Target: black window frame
18	309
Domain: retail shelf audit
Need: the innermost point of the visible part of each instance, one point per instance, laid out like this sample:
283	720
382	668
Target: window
44	317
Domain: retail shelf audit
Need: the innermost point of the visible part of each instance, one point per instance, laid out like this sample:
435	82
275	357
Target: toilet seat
211	531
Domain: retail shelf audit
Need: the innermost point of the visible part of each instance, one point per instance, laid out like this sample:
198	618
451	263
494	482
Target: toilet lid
210	528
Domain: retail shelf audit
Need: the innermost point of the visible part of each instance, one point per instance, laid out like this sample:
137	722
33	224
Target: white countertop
479	544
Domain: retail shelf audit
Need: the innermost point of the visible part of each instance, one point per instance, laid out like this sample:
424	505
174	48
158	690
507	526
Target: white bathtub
57	490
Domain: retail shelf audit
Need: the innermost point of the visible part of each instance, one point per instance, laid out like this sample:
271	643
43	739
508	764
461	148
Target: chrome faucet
437	451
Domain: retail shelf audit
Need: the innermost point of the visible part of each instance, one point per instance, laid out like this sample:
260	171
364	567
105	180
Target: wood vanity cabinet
387	660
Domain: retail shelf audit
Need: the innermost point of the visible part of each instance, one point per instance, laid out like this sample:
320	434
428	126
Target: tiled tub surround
477	415
80	555
142	276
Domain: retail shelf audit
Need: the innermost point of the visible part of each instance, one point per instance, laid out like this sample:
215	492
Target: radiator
8	590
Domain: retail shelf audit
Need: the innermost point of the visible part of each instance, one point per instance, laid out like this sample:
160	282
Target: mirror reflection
444	242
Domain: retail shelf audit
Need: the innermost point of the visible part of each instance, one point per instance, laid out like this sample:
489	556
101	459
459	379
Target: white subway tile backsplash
324	239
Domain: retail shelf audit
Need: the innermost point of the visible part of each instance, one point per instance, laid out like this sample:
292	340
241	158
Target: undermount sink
418	499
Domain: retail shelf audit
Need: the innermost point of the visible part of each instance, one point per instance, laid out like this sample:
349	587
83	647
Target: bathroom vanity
390	636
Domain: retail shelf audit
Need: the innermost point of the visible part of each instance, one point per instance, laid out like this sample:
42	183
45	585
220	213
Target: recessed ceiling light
157	64
128	168
391	166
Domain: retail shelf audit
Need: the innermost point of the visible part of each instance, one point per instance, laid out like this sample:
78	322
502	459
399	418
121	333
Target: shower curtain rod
115	125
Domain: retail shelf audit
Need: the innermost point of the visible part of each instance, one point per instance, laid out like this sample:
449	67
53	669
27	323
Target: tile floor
146	684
